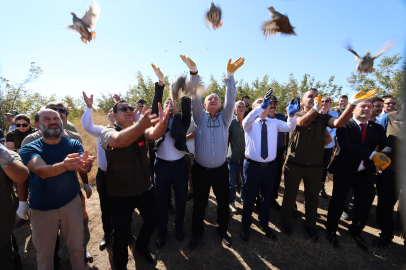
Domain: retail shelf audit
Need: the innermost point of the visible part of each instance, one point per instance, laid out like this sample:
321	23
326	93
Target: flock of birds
279	24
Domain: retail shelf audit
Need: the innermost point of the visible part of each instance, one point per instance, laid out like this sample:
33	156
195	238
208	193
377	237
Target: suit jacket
181	121
350	151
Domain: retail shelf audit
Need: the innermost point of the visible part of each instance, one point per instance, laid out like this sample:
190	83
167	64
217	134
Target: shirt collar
359	122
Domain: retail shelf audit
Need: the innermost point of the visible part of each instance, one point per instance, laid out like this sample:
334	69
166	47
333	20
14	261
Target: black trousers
364	194
122	209
388	194
279	167
203	179
326	161
167	175
104	201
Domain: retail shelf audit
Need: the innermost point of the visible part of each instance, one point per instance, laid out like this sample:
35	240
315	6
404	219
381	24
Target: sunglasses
124	109
59	110
325	101
24	125
274	103
390	103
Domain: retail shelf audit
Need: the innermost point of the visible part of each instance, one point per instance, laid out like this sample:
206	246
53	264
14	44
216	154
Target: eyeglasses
19	125
274	102
325	101
124	109
390	103
59	110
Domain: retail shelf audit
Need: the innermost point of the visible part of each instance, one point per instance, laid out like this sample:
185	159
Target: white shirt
167	149
87	123
332	131
252	126
362	166
12	128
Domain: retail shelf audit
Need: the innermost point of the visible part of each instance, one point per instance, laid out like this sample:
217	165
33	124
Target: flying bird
186	89
279	24
165	50
366	63
89	20
213	17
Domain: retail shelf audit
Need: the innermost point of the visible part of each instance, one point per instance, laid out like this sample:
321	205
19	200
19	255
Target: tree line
388	78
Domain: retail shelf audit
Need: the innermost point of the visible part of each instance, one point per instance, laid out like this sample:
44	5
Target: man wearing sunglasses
171	165
210	166
63	113
128	176
389	105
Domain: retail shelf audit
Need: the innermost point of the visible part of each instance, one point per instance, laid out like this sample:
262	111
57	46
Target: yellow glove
232	67
317	103
189	63
158	73
358	97
381	160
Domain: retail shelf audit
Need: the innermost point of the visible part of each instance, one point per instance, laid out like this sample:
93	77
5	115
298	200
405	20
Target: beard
51	133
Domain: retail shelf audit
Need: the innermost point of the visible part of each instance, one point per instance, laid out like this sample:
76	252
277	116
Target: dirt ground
297	252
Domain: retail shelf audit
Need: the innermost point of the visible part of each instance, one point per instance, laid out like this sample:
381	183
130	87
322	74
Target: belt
260	163
170	162
210	169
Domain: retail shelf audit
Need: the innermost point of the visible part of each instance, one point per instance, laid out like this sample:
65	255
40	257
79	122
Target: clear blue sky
133	34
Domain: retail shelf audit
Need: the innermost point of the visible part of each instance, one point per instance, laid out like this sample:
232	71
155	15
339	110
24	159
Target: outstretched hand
88	101
317	103
232	67
381	160
115	98
293	107
189	63
358	97
158	73
147	120
267	98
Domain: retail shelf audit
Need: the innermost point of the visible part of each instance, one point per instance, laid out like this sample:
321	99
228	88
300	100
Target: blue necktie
264	140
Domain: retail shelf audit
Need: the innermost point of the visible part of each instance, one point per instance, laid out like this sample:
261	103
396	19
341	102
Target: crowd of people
144	155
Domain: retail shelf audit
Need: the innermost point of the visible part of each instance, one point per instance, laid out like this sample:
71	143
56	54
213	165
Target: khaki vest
128	172
394	132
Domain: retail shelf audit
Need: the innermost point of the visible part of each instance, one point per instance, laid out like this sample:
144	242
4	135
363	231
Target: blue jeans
234	170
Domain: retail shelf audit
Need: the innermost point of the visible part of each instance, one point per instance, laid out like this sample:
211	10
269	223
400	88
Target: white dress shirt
252	126
362	166
87	123
332	131
167	149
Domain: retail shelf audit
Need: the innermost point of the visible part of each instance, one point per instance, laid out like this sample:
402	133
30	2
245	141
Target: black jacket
181	121
350	151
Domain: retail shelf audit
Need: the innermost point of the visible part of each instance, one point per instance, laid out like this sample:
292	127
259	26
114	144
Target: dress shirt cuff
230	82
195	80
373	153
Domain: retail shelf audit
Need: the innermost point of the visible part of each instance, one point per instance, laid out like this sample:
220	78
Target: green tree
387	78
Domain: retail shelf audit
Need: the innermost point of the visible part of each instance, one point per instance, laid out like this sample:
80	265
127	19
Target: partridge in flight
88	21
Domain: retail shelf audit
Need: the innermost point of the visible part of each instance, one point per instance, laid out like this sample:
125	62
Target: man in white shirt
171	166
89	127
261	137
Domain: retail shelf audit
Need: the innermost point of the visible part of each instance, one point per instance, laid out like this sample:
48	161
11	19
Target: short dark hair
57	104
22	117
369	100
310	89
343	96
115	107
242	98
386	96
375	99
391	98
329	99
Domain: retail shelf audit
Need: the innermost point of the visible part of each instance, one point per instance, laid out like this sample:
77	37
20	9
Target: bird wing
384	50
92	15
275	26
354	53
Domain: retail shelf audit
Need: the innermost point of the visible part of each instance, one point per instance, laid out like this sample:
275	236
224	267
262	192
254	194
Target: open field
296	252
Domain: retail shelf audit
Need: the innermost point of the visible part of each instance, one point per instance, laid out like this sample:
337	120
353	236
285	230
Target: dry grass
296	252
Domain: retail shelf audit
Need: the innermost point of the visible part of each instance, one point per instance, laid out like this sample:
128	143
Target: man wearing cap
10	116
280	151
140	105
261	140
304	159
210	167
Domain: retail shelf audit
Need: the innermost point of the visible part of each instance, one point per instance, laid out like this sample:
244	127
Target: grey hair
205	99
239	102
38	114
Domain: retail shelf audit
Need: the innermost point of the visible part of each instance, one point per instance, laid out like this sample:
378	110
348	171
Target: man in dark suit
171	166
354	165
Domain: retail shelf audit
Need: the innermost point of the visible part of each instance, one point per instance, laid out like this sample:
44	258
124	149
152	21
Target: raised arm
186	116
231	92
308	118
159	90
156	132
250	118
87	118
290	123
347	114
